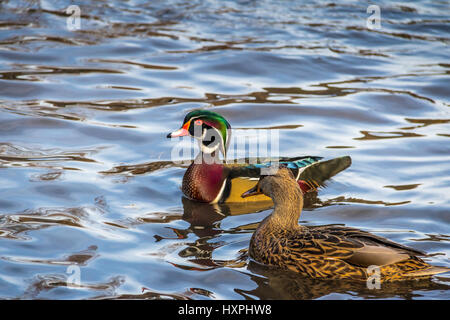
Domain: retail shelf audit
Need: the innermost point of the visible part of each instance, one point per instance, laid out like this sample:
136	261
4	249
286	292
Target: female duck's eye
198	122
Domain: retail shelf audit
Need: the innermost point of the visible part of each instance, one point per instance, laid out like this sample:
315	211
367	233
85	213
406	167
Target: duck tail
321	171
428	272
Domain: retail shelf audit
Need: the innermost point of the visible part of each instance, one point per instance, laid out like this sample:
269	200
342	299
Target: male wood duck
326	252
209	180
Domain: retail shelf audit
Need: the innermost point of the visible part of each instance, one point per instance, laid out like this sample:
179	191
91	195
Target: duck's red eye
198	122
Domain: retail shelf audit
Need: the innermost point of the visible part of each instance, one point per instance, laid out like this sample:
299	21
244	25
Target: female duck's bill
305	187
252	192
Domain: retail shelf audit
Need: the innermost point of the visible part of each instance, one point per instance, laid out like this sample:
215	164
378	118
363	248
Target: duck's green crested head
212	129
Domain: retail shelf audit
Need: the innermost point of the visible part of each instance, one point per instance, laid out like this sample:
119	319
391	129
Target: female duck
327	252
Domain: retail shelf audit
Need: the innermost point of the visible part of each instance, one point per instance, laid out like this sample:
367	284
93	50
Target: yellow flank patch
239	186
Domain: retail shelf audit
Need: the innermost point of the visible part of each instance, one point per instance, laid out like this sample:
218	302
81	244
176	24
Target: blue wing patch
296	164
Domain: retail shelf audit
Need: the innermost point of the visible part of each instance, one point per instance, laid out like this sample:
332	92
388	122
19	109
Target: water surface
86	177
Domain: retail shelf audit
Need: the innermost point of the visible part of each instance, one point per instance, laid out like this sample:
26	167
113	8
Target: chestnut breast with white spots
204	182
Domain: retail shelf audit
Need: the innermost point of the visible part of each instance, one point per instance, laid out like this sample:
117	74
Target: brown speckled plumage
327	252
